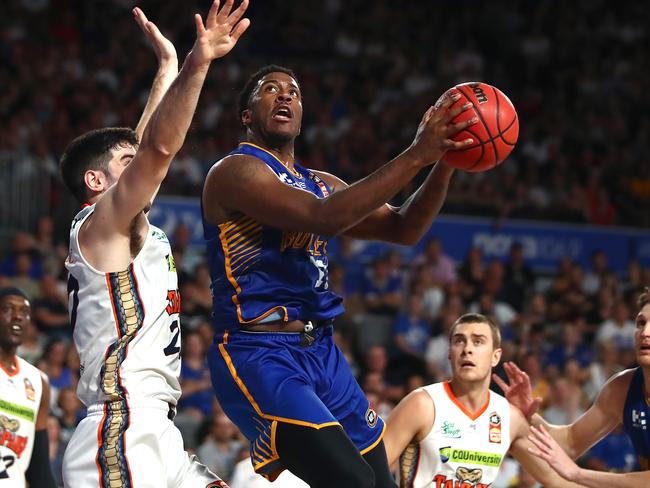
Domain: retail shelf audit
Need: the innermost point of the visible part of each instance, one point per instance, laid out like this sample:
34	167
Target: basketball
495	134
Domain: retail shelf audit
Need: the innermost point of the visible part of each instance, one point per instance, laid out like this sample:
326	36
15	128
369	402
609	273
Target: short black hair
91	151
251	83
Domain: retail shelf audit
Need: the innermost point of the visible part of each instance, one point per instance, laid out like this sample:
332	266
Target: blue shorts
264	378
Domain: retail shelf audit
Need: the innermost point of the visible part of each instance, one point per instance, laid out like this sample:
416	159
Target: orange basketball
495	133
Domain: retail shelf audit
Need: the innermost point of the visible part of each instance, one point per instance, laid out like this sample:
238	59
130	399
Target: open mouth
16	328
282	114
467	364
644	349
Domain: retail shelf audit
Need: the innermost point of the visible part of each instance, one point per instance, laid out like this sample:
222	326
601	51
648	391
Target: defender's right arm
244	184
409	422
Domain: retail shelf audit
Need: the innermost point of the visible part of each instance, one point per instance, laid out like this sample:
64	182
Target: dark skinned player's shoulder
241	165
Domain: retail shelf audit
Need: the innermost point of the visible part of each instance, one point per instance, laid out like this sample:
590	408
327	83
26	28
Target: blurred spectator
56	449
440	265
411	334
70	413
564	405
33	343
619	329
381	290
220	449
592	279
518	279
50	311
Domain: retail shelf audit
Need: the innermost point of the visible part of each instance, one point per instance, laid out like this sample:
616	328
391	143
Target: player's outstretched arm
410	422
167	67
600	419
38	472
166	130
520	450
547	448
244	184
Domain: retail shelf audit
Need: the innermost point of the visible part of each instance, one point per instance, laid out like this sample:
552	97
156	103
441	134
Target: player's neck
472	395
8	359
284	152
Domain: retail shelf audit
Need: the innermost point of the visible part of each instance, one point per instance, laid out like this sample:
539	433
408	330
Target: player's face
642	336
471	352
275	111
14	315
122	155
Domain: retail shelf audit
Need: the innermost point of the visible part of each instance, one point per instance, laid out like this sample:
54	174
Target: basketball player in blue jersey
624	400
274	365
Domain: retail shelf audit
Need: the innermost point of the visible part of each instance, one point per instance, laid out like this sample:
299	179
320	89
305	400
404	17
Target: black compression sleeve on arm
39	473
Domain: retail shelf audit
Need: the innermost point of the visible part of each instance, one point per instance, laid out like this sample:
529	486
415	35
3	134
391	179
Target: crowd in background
570	331
577	73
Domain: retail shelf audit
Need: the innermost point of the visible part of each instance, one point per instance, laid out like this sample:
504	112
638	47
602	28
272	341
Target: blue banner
544	244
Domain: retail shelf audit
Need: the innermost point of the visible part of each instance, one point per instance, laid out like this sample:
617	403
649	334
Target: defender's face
275	108
471	352
642	337
14	316
121	156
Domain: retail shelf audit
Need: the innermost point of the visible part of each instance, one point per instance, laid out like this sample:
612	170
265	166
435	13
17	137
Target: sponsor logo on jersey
495	428
466	456
371	418
161	236
171	264
638	419
8	436
449	429
441	481
287	180
173	302
30	392
473	475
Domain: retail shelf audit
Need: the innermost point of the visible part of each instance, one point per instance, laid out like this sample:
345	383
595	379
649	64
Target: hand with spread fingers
220	33
518	391
550	451
433	137
163	47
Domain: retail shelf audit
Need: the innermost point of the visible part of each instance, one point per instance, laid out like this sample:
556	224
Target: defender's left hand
220	33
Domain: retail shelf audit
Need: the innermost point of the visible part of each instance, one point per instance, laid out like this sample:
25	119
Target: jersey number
173	347
7	462
321	281
73	293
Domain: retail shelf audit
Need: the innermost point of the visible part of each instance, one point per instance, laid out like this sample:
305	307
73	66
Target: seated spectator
195	378
220	450
433	296
564	407
411	334
442	267
33	343
619	329
50	311
571	347
472	274
382	293
71	413
518	279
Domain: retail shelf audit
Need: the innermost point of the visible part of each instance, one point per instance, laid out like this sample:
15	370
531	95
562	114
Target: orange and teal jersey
261	273
636	415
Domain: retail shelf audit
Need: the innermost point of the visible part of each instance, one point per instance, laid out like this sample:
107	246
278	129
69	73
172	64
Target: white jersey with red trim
20	397
463	449
126	324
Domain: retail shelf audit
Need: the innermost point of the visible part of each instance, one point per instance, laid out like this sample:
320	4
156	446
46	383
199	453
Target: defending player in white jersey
123	288
455	434
24	402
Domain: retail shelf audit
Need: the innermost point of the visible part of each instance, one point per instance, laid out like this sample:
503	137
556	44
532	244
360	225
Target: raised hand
518	391
433	137
164	49
550	451
221	31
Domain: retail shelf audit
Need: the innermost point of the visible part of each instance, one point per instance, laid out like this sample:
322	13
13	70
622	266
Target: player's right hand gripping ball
495	133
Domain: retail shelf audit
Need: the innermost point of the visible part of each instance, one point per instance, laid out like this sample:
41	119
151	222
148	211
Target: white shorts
138	447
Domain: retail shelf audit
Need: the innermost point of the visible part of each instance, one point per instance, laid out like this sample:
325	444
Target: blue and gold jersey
261	273
636	415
